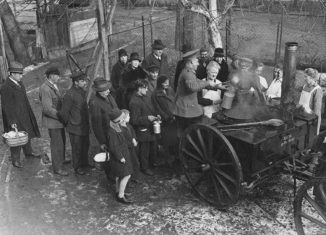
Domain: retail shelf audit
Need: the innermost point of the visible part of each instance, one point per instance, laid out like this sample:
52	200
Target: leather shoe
123	200
148	172
80	171
17	164
61	172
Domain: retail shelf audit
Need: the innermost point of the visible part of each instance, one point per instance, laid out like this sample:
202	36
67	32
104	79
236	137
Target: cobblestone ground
35	201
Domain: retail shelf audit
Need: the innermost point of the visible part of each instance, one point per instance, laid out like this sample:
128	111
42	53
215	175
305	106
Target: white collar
14	81
159	58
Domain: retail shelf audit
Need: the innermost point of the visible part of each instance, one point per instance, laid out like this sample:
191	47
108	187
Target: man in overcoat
142	115
17	112
157	58
74	113
219	58
51	100
100	107
187	110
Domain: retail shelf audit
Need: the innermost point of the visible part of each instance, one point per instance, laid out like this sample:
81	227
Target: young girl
120	163
130	135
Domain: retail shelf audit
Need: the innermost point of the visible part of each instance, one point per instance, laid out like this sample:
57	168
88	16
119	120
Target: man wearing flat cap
152	79
203	60
51	100
117	72
74	114
157	58
17	112
133	73
219	58
188	111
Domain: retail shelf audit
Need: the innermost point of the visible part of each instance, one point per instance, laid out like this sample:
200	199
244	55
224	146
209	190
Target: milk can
227	99
157	127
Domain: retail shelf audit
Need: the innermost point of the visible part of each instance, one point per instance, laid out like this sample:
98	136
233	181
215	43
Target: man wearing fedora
100	107
219	58
188	111
116	74
157	58
51	100
133	73
17	112
74	114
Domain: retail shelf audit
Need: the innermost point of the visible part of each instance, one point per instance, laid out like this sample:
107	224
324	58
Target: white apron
305	98
213	96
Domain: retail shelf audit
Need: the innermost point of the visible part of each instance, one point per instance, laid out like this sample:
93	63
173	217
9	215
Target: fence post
3	49
143	27
104	40
226	39
276	46
151	25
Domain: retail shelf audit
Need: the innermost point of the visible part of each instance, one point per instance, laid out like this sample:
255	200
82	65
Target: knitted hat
115	115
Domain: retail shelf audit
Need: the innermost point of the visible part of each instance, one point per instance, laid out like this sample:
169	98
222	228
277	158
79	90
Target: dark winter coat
74	111
164	105
178	70
140	108
16	109
186	97
129	134
118	149
152	60
116	74
100	109
201	69
223	74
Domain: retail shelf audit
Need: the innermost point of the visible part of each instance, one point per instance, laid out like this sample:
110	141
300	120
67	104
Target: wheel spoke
193	169
312	219
201	140
321	188
192	155
210	145
223	185
315	206
216	189
228	177
217	154
195	146
223	164
199	180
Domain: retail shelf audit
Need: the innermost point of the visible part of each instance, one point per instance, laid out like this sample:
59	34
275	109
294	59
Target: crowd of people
122	112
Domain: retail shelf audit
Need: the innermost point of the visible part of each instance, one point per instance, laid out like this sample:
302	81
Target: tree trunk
13	32
214	35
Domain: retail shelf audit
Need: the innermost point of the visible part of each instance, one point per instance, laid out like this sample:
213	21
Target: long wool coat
151	60
118	149
100	109
140	108
16	109
163	103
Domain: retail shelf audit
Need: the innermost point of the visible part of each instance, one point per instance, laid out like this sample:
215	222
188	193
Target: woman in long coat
163	102
120	163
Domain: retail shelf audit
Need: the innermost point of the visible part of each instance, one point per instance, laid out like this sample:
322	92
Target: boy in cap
51	100
152	79
74	113
157	58
17	112
219	58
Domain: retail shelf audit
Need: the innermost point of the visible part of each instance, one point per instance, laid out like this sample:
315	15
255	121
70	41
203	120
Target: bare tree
13	33
213	16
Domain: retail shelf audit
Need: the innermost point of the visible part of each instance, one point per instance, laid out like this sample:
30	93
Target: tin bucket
227	100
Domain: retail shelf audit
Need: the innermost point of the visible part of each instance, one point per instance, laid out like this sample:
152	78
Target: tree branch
194	8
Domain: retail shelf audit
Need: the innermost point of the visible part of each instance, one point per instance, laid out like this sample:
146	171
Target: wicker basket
17	140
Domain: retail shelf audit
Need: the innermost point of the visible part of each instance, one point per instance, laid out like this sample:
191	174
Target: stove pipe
289	70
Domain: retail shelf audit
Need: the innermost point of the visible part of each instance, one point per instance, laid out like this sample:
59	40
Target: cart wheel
310	207
211	165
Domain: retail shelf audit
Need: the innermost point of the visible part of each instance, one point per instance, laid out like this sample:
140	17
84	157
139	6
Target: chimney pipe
289	71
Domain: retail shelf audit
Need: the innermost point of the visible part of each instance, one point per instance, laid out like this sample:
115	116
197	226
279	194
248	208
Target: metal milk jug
227	100
157	127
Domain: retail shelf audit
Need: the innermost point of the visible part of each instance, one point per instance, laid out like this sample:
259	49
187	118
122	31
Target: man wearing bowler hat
188	111
219	58
74	113
133	73
51	100
157	58
17	112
